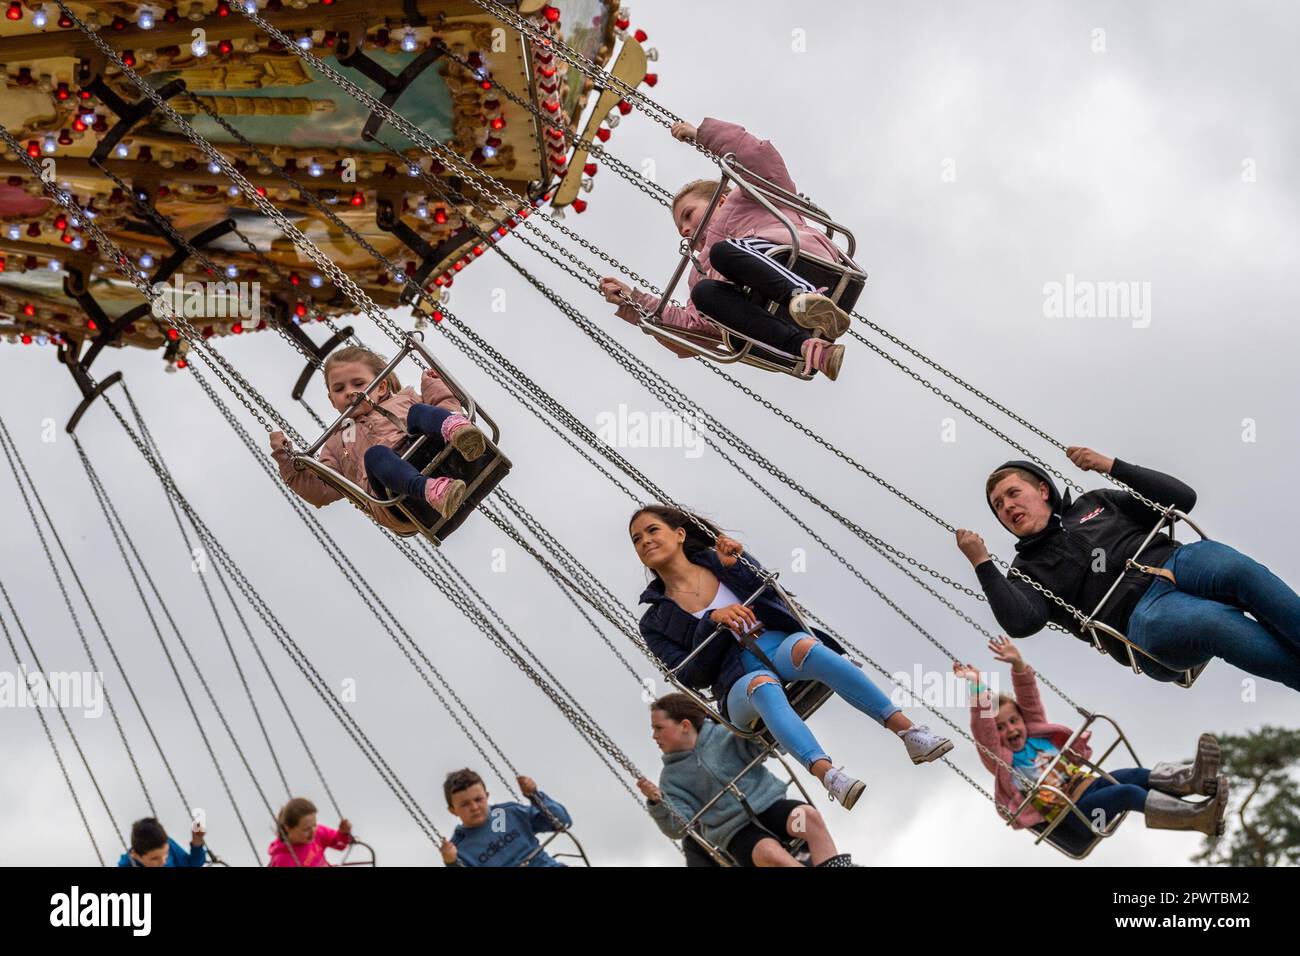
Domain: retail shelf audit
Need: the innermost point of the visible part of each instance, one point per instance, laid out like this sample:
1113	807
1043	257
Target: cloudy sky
980	153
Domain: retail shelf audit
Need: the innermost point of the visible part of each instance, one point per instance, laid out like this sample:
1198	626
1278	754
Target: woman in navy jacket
700	584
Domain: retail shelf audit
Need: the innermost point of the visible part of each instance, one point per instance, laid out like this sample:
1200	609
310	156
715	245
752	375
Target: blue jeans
1204	616
385	467
1111	799
768	702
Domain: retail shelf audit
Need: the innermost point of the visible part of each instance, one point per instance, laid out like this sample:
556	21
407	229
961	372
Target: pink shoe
444	495
464	436
823	356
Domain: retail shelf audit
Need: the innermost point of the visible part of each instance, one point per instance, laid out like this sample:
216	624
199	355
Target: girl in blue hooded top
699	584
700	758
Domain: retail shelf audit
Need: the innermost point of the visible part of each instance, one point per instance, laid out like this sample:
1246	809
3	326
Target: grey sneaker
923	745
812	310
842	788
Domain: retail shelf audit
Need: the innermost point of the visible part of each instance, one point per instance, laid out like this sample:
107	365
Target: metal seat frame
1068	806
732	346
806	697
489	470
1169	517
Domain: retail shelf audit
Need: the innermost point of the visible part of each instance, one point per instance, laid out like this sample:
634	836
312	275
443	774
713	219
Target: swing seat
796	846
1074	845
413	517
1095	629
367	860
805	696
842	278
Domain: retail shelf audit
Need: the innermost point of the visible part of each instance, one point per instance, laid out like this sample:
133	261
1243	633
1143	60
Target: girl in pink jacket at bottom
733	253
1015	727
302	842
362	450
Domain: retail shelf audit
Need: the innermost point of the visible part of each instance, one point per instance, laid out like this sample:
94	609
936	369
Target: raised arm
1156	485
543	822
757	155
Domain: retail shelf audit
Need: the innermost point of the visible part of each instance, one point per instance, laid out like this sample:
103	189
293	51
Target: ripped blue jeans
768	703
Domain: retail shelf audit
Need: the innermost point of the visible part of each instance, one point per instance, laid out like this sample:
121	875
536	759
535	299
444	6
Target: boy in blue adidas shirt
500	834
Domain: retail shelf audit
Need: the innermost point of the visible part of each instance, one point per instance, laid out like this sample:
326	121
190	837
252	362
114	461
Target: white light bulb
422	211
14	233
77	243
489	151
304	42
49	144
234	190
145	19
315	169
40	18
199	48
55	265
146	261
122	151
315	281
214	167
232	272
409	42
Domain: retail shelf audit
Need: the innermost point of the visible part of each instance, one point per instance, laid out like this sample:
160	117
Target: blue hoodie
691	778
176	856
509	835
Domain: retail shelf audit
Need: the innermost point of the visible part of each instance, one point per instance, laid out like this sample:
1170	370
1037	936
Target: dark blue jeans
1205	615
388	473
1111	799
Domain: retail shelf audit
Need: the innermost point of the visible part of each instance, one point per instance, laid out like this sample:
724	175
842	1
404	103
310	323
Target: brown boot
1187	779
1164	812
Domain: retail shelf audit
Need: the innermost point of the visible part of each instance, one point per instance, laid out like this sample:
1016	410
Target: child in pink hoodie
363	450
733	253
302	842
1014	727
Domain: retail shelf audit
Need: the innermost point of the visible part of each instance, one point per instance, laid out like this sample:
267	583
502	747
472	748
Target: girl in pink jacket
733	253
302	842
1016	729
363	450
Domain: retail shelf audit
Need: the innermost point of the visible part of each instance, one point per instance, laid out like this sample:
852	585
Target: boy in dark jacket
1181	604
150	846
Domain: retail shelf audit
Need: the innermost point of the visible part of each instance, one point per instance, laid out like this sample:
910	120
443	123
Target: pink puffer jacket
984	727
740	217
347	457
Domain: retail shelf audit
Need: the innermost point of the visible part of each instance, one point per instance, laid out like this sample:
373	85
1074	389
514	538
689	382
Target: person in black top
1182	605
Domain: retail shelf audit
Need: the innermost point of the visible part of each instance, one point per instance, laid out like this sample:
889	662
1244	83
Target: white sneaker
924	746
842	788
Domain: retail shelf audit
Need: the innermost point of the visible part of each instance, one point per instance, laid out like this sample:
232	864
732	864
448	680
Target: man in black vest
1181	604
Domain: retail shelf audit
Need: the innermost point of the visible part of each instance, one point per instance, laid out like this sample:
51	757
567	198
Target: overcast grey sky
1167	159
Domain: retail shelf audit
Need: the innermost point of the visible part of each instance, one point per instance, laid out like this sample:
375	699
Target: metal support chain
45	725
318	683
364	591
152	444
569	587
115	525
647	186
19	469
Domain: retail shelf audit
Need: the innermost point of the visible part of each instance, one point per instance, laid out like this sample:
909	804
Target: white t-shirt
724	598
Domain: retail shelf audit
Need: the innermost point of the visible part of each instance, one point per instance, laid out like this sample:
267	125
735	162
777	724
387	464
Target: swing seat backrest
842	280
